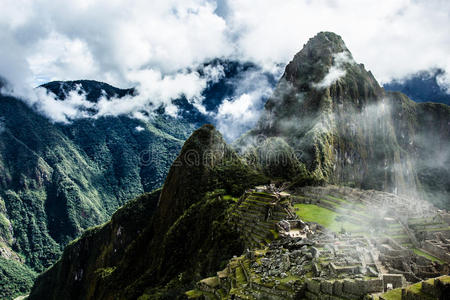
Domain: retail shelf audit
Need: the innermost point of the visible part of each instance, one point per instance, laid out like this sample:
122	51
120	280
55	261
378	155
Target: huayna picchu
340	191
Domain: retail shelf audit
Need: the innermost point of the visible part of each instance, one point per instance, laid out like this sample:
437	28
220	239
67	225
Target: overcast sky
152	43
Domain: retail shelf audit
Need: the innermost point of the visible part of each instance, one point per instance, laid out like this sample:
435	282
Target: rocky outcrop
347	130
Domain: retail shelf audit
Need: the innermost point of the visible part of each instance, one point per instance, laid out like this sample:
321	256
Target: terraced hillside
256	215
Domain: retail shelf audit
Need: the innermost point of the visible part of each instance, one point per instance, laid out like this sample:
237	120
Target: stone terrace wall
317	288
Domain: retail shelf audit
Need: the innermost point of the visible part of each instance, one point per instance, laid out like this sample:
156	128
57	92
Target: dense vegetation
57	180
186	238
15	278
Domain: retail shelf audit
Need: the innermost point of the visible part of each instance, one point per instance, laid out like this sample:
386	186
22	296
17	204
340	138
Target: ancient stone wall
438	250
317	288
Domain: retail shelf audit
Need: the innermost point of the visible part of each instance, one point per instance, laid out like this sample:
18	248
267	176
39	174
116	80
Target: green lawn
229	197
421	253
324	217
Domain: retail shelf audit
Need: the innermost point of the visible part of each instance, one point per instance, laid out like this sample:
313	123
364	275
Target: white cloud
214	73
73	107
156	44
444	81
239	113
60	56
106	40
336	71
234	114
159	91
392	38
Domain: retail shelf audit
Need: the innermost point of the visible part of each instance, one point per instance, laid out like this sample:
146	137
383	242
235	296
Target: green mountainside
187	237
57	180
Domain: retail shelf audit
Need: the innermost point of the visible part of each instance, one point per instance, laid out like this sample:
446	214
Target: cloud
240	112
142	103
109	41
336	71
161	90
443	80
59	56
129	43
392	38
73	107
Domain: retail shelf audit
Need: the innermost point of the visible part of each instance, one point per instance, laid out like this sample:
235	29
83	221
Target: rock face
187	236
346	129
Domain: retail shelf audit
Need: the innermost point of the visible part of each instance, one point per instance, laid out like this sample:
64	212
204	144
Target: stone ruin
411	223
288	258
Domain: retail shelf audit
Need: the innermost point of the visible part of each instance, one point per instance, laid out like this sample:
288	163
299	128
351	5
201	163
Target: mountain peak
326	41
318	56
191	172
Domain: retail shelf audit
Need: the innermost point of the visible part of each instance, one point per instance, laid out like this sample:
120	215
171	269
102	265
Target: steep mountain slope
188	235
346	129
57	180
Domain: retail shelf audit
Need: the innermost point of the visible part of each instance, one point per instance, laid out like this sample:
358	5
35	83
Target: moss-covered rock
347	130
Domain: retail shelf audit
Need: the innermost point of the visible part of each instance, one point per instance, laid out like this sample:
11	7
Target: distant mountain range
421	87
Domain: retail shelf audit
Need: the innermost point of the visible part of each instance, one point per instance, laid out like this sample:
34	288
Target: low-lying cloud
155	45
336	71
240	112
147	97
